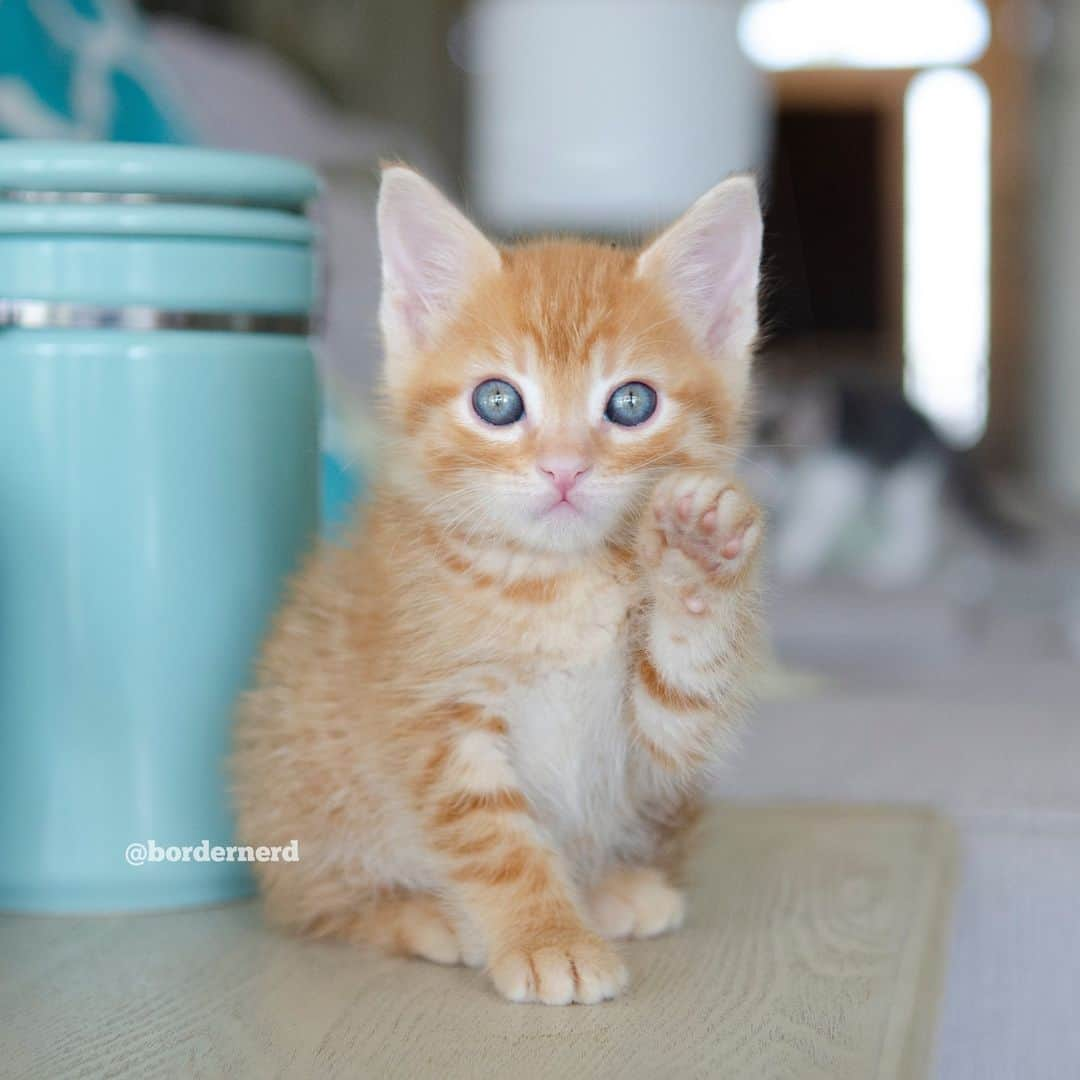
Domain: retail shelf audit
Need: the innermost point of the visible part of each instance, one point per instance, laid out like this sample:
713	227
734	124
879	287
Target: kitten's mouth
563	506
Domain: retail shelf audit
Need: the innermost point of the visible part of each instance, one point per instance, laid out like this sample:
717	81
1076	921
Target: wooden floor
812	950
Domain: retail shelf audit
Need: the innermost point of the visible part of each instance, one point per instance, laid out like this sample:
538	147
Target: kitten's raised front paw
637	903
583	969
701	527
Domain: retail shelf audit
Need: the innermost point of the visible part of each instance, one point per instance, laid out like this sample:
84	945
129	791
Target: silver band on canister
138	198
50	315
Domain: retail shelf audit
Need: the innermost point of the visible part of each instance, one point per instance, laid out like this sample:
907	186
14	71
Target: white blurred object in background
606	115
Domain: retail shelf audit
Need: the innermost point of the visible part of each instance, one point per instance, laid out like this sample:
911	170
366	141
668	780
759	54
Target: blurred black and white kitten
861	483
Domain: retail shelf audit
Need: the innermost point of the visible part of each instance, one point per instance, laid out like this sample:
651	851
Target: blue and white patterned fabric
80	69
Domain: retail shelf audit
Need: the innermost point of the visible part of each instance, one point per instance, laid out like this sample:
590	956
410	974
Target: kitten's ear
709	263
431	254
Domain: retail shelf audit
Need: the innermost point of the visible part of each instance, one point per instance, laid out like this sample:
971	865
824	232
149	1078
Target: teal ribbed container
158	484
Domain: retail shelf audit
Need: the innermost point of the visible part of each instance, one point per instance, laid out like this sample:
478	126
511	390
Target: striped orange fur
490	717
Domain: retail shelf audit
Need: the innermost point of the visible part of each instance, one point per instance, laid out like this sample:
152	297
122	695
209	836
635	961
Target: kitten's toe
736	524
437	942
417	926
584	969
637	903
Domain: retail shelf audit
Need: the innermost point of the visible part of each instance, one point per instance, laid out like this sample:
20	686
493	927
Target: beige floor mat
813	950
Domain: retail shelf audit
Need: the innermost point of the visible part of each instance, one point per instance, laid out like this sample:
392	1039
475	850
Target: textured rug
813	949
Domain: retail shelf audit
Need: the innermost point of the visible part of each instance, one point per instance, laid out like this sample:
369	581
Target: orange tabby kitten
490	717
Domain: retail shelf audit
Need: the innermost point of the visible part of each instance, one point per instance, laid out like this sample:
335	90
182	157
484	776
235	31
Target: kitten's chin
564	530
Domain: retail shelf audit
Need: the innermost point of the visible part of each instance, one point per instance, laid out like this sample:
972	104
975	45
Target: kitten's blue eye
498	403
632	404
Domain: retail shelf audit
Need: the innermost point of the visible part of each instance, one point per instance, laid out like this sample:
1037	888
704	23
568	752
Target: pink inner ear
425	271
709	261
430	251
718	277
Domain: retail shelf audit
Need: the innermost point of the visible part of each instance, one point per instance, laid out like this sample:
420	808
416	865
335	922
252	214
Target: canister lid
82	170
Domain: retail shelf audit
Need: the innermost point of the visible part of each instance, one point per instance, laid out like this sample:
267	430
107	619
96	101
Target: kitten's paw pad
585	970
637	904
707	521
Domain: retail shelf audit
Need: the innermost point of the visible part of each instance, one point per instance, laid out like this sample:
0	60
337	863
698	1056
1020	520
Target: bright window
947	250
783	34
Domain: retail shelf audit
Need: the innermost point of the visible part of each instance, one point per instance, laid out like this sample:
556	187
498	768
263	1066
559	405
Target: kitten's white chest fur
570	741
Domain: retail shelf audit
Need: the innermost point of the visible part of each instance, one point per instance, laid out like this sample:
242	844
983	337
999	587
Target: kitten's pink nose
564	473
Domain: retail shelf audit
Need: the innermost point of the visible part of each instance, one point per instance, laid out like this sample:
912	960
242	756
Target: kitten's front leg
700	544
511	882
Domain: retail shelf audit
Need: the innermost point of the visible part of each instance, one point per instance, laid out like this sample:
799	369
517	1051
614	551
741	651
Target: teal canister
158	484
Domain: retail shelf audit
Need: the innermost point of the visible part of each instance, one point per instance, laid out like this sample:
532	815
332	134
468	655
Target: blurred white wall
1056	422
